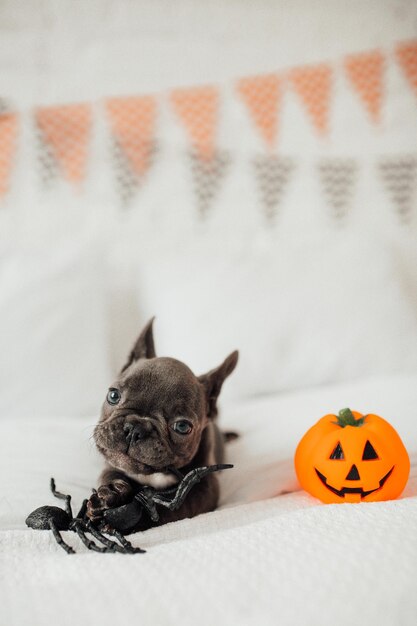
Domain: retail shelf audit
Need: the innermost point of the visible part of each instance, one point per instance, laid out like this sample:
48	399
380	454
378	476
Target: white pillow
302	312
53	332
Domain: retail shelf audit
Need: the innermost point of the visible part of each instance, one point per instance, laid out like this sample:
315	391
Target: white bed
265	557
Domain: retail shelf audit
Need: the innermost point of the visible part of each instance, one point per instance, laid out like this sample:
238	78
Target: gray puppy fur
158	415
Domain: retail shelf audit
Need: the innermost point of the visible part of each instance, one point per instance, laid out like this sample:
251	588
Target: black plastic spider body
117	521
56	519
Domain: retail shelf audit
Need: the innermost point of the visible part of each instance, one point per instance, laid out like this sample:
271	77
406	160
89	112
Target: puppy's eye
182	427
114	395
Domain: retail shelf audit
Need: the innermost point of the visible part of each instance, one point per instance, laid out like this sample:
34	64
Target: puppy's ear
213	381
144	347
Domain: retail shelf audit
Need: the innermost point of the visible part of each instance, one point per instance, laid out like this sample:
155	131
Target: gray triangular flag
207	175
127	179
337	177
48	165
399	176
272	173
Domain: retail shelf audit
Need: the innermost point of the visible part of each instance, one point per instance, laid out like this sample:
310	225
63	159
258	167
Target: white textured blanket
260	559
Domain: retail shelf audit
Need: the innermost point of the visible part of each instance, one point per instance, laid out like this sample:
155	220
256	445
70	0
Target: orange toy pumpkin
352	457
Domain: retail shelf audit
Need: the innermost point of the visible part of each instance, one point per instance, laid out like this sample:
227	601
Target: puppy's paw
108	496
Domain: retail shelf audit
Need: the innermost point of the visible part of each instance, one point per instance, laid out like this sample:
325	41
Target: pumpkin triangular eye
337	453
369	452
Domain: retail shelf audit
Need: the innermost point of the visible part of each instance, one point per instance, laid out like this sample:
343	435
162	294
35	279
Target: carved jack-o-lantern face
352	458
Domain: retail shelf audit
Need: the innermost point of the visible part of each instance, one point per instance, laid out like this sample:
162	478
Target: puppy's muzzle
135	431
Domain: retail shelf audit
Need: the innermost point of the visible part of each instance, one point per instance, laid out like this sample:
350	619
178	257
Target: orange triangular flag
67	130
198	110
313	84
261	95
132	122
366	71
8	135
407	57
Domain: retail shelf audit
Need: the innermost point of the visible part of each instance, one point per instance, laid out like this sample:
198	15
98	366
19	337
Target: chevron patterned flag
273	173
338	177
399	176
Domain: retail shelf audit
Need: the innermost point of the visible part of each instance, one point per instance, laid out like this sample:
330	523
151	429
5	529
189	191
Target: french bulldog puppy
159	418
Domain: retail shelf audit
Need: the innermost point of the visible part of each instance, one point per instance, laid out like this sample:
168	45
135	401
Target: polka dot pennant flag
313	84
64	133
399	175
338	177
8	143
366	73
132	122
273	174
406	54
262	96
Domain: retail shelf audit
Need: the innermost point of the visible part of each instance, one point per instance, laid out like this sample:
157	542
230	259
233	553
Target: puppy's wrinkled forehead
161	384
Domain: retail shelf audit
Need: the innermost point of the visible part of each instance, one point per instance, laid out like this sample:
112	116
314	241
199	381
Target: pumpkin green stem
346	418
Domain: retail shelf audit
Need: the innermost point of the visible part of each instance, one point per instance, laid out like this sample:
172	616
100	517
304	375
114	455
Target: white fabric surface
260	559
54	330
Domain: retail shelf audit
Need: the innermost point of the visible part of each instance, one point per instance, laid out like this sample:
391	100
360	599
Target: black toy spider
117	521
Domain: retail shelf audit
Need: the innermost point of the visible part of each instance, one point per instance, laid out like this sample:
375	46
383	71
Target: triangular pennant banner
65	130
399	175
198	110
366	73
406	54
313	85
262	95
207	176
128	179
8	142
338	178
132	122
273	174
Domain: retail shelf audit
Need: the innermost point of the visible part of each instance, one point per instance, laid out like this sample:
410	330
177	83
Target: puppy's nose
136	431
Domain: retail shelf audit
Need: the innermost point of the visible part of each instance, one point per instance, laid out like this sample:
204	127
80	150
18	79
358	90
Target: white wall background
62	50
307	300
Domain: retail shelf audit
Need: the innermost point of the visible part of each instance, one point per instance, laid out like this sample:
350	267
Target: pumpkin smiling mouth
341	492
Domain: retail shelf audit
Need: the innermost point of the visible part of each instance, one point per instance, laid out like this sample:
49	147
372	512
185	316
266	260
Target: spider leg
89	544
112	545
125	543
59	539
192	478
62	496
83	509
146	498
